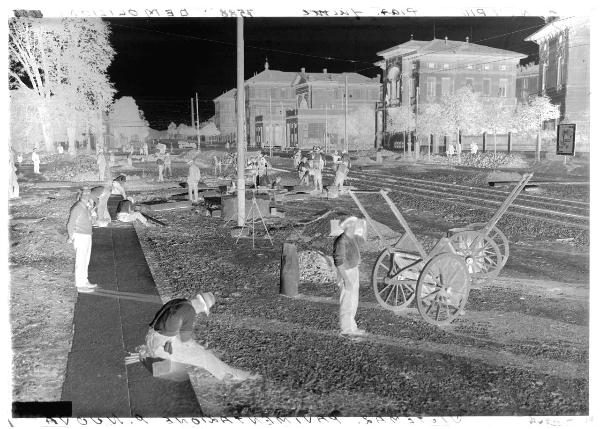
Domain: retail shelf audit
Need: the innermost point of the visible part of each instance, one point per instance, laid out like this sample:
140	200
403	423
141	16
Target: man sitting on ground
127	213
170	337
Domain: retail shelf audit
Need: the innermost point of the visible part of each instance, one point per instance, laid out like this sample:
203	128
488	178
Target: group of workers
314	166
451	151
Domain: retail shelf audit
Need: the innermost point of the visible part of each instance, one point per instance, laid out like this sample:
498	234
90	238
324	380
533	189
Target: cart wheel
394	279
480	252
500	240
443	289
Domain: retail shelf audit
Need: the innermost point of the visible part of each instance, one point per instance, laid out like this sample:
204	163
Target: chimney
325	71
411	36
446	40
302	70
467	38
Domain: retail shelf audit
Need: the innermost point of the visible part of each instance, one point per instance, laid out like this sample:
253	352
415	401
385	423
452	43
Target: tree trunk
538	146
458	146
494	141
71	138
46	130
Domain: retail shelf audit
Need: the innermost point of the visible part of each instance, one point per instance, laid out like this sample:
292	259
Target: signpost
565	139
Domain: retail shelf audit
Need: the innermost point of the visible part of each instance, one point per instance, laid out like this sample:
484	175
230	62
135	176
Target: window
502	87
446	66
446	86
486	87
544	69
525	83
469	82
431	86
503	67
559	71
431	65
486	67
413	65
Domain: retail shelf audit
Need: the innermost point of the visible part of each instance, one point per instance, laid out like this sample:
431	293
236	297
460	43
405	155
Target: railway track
537	207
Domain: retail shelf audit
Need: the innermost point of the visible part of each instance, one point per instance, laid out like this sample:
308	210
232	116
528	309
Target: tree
463	112
431	121
498	118
128	121
360	126
64	63
401	120
530	117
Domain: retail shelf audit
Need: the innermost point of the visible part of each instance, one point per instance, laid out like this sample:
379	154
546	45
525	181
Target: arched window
394	80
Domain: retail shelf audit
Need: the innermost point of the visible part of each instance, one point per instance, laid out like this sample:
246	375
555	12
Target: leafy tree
400	120
360	127
127	121
431	121
63	62
530	117
498	118
463	112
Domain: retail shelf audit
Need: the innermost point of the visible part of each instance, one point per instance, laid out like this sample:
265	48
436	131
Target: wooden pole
241	138
417	146
197	123
270	127
346	113
192	106
283	125
326	146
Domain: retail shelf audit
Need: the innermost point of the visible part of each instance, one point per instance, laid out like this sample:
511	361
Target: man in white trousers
79	228
346	257
170	337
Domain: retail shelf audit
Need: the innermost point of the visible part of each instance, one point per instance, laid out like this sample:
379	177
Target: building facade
564	72
431	70
224	118
527	82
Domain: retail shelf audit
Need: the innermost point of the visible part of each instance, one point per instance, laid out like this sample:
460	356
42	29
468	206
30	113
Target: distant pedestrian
79	228
101	161
303	171
168	161
346	257
60	149
192	181
161	167
335	158
297	158
170	336
341	174
474	148
129	160
36	161
450	151
111	158
20	159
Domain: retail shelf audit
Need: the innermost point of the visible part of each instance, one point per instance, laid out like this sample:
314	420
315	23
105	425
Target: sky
163	62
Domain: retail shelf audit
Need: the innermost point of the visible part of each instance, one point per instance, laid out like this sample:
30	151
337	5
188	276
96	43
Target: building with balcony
564	72
421	71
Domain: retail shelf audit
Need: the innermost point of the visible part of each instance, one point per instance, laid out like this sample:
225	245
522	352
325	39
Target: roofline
554	27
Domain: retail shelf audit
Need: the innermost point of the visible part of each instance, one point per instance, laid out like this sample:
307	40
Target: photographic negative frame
565	139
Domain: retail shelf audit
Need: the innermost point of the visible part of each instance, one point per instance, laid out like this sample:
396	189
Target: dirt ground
521	348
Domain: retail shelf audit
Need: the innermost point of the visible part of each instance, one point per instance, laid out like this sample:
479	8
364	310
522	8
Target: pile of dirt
483	160
315	267
81	168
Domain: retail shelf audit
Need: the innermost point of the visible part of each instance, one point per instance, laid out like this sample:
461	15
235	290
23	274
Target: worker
118	186
297	158
451	151
341	174
168	161
101	161
20	159
192	181
127	213
346	257
346	158
79	229
145	149
335	157
36	161
60	149
170	336
303	171
129	159
100	196
13	183
161	167
111	158
474	148
317	169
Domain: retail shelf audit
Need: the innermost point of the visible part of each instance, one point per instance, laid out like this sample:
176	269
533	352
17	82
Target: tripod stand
252	215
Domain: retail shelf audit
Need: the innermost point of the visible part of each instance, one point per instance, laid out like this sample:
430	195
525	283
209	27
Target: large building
433	69
564	72
294	109
527	83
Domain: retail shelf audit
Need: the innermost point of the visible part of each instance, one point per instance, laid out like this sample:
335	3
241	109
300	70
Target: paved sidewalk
109	324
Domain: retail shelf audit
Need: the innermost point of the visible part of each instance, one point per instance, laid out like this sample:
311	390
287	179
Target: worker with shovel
170	337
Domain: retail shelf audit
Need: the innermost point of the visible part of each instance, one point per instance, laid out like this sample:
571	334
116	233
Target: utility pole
241	138
283	125
270	127
346	113
417	146
198	123
192	106
326	128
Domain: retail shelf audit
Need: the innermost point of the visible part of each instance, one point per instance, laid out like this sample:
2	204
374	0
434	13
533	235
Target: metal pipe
241	138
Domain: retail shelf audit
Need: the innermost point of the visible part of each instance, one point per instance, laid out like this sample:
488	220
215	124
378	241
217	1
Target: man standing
297	158
303	171
36	161
340	175
346	257
101	161
192	181
168	170
170	337
161	167
79	228
145	149
318	165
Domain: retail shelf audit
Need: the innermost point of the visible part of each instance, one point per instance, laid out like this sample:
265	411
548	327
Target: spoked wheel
499	238
481	254
443	289
394	279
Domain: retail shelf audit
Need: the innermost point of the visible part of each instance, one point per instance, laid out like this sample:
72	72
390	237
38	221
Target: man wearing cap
170	337
346	257
79	228
192	181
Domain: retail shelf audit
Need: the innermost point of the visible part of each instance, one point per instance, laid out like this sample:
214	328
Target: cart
483	245
441	279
